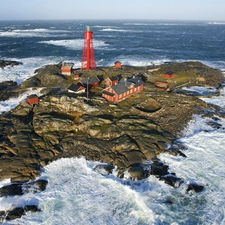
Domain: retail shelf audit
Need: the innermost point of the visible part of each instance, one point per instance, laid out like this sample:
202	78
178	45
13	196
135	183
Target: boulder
15	213
172	180
139	171
173	150
22	188
4	63
11	190
195	187
104	168
158	168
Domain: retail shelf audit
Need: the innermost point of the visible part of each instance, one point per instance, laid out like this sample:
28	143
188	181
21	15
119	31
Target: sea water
76	194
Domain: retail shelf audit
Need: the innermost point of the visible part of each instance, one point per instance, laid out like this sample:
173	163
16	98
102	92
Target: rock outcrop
4	63
123	134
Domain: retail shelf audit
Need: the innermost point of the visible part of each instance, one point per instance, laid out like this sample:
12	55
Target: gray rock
139	171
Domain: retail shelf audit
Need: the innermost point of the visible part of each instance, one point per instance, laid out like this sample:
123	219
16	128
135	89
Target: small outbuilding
66	68
76	76
117	64
162	85
169	74
32	99
110	81
90	82
75	88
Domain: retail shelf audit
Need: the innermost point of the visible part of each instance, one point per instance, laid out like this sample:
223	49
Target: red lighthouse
88	57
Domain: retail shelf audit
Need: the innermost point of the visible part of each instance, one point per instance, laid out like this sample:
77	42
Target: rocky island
124	133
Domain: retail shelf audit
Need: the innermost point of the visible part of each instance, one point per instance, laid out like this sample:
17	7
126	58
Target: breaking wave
32	33
76	44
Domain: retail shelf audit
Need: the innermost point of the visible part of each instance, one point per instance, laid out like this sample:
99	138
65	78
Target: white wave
32	33
138	24
204	165
39	30
215	64
137	61
104	26
76	194
11	103
74	188
156	24
201	90
197	125
76	44
115	30
22	72
217	23
215	100
218	100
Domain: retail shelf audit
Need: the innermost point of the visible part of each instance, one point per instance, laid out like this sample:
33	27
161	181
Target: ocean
76	194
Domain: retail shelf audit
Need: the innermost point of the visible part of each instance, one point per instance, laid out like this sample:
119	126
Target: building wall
66	71
118	65
32	101
122	96
108	82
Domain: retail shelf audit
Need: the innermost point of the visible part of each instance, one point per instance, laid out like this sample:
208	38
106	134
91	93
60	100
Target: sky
116	9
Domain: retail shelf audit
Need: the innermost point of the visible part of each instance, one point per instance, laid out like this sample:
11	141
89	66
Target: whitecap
40	32
216	23
115	30
138	24
200	90
26	69
75	44
77	194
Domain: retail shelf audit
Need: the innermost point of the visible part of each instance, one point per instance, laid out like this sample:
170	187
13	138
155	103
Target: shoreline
162	112
124	134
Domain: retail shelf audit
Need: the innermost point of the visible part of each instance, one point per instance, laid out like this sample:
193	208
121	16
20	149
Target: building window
120	96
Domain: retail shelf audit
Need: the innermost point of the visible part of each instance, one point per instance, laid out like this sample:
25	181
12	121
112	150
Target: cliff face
67	125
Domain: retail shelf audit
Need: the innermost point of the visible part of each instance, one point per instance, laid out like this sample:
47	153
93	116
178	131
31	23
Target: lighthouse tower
88	57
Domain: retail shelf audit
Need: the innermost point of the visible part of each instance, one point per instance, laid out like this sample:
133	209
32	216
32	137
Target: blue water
76	194
144	41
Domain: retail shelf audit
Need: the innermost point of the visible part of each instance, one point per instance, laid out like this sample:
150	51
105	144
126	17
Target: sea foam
83	196
76	44
41	32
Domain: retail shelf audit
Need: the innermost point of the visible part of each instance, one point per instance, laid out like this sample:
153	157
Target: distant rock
4	63
195	187
104	168
158	168
174	150
17	212
22	188
139	171
7	90
172	180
